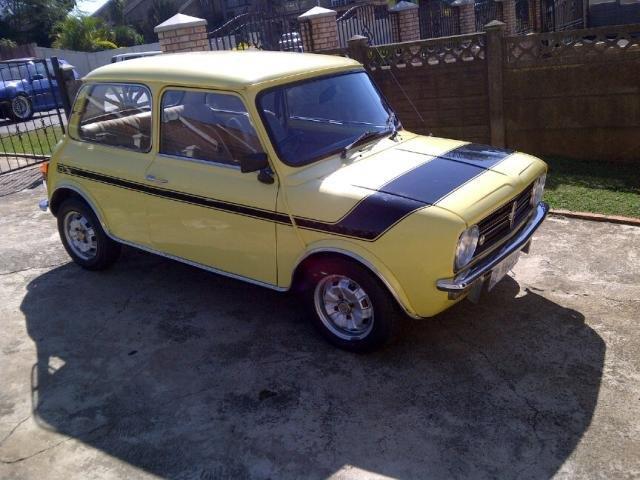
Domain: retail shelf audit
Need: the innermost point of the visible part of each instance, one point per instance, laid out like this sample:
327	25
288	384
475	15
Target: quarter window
212	127
118	115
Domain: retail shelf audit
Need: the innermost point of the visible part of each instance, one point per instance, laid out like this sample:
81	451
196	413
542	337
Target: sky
90	6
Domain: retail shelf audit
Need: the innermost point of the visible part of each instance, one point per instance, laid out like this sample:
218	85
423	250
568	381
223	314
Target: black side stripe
422	186
179	196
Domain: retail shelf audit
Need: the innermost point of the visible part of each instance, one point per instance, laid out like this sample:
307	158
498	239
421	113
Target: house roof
223	69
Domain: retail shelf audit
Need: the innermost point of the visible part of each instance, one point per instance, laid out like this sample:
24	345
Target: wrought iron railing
372	21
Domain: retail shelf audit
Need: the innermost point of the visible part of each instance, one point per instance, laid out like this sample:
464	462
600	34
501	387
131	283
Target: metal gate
371	21
560	15
251	30
32	117
438	19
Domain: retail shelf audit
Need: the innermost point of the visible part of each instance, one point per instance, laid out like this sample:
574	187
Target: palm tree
83	33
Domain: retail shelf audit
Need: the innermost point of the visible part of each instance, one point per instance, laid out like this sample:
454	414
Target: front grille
498	225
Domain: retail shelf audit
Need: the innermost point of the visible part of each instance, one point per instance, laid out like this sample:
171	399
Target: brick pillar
319	29
466	15
509	15
182	33
407	21
494	59
535	15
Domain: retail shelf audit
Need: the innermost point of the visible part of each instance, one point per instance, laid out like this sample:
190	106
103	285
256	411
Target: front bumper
465	280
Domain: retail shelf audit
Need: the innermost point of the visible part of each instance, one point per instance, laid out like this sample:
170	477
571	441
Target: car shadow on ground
185	374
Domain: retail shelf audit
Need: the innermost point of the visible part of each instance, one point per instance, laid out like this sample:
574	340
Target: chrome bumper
43	205
466	279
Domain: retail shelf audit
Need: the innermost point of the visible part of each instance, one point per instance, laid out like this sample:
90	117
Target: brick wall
467	15
187	39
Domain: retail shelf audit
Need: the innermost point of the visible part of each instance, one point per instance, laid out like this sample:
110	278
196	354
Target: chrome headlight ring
466	247
538	189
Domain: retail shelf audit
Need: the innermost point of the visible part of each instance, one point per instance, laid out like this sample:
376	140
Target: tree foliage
27	21
84	33
126	36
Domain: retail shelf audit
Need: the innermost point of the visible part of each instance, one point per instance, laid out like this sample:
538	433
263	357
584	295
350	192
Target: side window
118	115
213	127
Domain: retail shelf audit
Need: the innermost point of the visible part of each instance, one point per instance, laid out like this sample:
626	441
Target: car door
108	154
203	208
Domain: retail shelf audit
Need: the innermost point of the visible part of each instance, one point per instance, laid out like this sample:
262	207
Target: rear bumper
465	280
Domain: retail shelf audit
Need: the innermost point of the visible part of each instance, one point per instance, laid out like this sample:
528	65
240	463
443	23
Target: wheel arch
63	192
318	255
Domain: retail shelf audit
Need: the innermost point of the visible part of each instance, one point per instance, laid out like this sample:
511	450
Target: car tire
20	109
350	307
83	237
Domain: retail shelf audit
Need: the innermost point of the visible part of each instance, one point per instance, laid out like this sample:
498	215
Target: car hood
467	179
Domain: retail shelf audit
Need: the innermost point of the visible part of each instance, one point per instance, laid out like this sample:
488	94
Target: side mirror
37	76
254	162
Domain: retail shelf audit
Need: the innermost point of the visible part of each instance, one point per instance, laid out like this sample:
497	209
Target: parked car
290	42
27	85
292	172
130	56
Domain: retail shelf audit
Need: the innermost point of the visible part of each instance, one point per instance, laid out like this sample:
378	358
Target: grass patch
37	142
592	186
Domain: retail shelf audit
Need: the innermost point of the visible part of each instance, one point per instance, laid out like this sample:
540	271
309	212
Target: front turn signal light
44	169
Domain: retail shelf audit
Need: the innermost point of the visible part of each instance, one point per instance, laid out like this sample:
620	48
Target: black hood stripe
422	186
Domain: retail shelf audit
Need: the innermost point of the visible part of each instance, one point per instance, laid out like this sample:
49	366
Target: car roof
18	60
225	69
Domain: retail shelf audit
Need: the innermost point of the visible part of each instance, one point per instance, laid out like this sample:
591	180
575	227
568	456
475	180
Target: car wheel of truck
83	237
21	108
352	309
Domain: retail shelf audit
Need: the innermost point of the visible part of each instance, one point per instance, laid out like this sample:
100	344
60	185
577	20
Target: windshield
14	72
316	118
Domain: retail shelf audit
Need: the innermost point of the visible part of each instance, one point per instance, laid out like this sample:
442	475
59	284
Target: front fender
366	258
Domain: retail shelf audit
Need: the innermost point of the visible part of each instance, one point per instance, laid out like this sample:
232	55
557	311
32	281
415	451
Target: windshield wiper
367	134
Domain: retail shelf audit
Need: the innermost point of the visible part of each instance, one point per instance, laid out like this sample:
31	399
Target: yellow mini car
289	171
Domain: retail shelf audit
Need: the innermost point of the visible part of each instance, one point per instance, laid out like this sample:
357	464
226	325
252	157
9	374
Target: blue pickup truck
27	85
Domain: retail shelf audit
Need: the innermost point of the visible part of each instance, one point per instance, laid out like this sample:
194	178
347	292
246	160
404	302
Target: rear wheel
352	309
83	237
20	108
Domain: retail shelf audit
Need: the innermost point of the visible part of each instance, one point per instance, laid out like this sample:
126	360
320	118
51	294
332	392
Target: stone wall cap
179	20
495	25
317	12
402	6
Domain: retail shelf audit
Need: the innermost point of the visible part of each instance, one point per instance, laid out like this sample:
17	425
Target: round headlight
538	189
466	246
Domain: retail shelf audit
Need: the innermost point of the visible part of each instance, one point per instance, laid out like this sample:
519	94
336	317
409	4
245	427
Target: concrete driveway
156	369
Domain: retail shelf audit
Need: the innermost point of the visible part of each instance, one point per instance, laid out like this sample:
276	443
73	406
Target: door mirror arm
266	176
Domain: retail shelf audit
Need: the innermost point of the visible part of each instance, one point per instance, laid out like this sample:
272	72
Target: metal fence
372	21
558	15
437	19
251	30
486	11
32	117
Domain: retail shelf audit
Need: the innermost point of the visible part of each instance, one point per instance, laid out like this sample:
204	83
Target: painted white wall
87	61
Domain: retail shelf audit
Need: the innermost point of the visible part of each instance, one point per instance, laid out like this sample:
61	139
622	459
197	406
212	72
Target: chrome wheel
21	107
344	307
80	235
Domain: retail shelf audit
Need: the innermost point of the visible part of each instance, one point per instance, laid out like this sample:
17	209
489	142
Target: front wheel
20	108
352	309
83	237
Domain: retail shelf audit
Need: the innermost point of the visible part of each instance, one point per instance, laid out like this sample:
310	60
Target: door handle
154	179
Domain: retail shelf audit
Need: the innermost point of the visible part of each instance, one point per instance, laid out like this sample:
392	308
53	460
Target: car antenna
415	109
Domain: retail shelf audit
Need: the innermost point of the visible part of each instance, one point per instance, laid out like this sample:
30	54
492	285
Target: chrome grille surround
500	224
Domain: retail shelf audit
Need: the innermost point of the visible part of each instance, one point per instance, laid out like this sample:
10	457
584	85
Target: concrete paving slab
154	369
